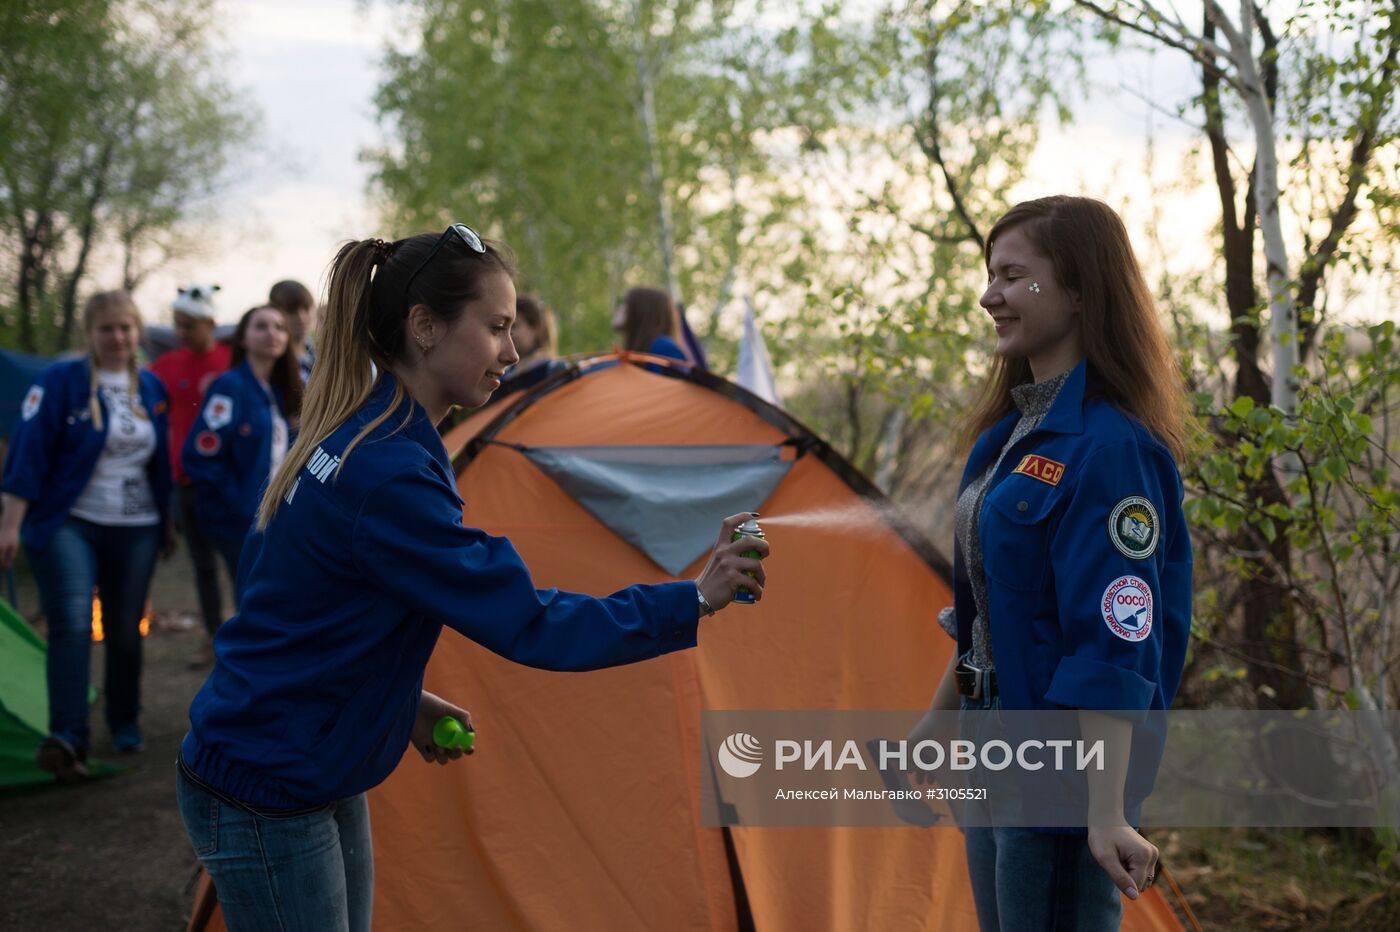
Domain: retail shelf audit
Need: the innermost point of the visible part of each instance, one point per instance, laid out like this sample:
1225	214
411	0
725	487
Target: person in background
243	431
534	338
87	488
533	332
186	373
296	301
647	320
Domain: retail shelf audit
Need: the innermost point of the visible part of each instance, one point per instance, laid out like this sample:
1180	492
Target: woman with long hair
243	431
87	487
1072	561
648	321
533	332
357	560
534	337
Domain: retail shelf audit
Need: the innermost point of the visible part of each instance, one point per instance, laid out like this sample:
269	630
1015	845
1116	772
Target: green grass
1276	879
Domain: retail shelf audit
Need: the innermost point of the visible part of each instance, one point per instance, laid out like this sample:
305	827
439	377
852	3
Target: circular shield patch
32	402
1133	527
1127	608
208	443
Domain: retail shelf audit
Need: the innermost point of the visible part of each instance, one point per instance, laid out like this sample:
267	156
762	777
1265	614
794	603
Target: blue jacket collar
419	428
1066	415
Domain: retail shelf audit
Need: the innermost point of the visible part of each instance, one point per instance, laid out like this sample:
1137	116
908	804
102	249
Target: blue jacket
228	452
55	448
317	682
666	346
1087	560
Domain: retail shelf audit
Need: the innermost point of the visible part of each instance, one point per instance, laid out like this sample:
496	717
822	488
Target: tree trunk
1267	625
1258	101
85	233
34	254
647	106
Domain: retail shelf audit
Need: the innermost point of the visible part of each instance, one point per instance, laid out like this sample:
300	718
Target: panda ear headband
196	301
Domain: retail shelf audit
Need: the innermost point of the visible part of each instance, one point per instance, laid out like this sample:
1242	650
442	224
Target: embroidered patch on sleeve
1127	608
32	402
1038	467
208	443
218	411
1133	527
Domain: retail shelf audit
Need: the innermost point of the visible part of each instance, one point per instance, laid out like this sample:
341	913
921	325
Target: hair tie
382	250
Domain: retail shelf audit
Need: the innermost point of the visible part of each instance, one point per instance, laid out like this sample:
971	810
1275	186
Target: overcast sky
312	66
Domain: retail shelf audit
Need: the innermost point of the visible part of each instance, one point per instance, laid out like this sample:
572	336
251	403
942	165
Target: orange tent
580	810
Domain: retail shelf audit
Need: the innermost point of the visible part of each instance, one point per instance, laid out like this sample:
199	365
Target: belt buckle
979	680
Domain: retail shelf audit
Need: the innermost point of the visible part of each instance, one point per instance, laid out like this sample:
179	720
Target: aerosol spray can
749	528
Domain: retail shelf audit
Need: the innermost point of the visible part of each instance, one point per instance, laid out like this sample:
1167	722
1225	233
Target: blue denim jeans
119	562
1027	880
311	870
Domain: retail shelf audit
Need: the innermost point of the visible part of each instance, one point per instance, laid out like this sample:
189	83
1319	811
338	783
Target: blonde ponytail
344	375
373	285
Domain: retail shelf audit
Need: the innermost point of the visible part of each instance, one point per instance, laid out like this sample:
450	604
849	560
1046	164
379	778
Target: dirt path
111	854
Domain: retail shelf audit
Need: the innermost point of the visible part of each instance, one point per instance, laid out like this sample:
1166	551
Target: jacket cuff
679	622
22	487
1082	683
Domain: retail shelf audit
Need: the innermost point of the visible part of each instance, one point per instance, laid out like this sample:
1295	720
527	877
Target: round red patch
208	443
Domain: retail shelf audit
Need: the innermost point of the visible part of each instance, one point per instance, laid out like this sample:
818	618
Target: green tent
24	704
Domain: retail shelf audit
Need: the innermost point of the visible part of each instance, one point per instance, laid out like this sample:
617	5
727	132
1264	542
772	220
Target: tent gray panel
667	501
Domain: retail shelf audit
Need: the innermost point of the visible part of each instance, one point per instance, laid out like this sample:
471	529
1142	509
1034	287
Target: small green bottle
449	733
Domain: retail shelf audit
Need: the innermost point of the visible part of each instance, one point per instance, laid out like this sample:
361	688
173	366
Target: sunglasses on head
460	230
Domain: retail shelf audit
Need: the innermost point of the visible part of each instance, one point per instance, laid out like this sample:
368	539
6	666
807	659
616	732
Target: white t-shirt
280	436
119	492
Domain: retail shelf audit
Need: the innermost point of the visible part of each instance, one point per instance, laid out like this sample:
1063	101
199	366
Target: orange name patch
1038	467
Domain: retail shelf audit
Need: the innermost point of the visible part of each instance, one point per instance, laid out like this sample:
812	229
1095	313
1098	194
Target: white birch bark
647	105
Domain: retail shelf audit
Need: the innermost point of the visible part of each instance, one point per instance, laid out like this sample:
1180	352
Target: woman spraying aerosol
358	559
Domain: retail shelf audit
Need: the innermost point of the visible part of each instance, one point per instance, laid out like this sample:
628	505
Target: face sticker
219	411
1038	467
1133	527
32	402
208	443
1127	608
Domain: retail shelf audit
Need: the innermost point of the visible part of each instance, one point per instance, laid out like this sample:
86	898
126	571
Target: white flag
755	368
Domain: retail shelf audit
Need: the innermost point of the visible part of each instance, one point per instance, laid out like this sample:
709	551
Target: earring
1035	287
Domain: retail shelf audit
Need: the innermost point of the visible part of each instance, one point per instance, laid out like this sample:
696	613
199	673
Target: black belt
975	683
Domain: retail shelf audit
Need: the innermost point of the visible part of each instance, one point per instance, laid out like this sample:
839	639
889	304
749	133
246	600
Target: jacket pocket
1015	531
